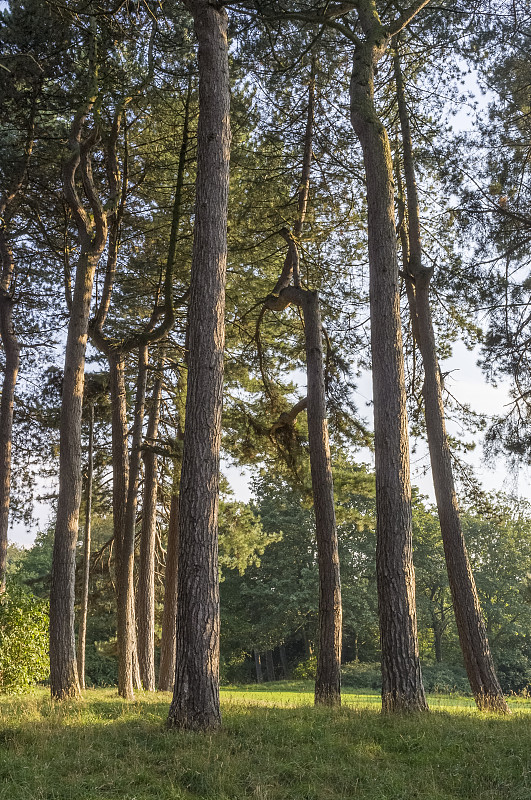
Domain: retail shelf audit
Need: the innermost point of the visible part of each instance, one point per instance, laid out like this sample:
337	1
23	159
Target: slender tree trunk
63	667
12	360
146	571
120	464
472	635
196	694
402	688
328	675
86	557
168	642
125	493
258	667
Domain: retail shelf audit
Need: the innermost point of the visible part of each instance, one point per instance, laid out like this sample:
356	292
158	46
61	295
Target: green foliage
23	640
306	669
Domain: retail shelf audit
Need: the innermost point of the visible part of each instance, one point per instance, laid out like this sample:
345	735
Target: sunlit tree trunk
402	688
195	702
86	556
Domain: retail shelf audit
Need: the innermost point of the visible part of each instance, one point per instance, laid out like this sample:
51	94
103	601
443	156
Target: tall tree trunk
402	688
86	557
472	635
195	702
12	360
145	602
169	614
92	229
120	465
63	667
127	494
328	675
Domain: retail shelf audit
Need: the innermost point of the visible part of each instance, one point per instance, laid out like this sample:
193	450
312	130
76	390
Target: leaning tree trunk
12	359
145	602
471	628
195	702
86	557
402	688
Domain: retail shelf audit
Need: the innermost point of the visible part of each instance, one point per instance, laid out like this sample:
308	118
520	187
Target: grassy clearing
274	746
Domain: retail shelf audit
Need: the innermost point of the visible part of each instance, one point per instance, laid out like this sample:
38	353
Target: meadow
274	745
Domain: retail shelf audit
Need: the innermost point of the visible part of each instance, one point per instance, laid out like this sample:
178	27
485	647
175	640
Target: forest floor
274	745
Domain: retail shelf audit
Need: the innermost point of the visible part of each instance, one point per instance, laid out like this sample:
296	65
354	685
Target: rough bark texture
12	360
402	688
145	601
168	642
195	702
470	625
86	557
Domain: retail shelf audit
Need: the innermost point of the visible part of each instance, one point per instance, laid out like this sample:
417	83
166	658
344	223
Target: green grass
273	746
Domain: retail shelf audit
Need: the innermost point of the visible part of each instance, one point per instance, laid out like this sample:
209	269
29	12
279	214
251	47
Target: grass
273	746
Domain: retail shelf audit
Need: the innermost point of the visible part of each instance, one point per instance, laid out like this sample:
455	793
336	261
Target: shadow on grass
103	747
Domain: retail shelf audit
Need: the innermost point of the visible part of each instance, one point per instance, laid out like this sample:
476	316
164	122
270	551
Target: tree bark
63	668
120	466
402	688
168	642
328	675
470	625
92	231
12	361
195	702
86	557
146	571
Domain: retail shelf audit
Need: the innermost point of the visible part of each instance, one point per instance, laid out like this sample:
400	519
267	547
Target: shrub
361	675
445	679
306	669
23	640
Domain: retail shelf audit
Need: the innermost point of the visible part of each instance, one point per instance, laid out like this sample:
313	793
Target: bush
437	678
361	675
305	670
23	640
100	669
445	679
514	672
